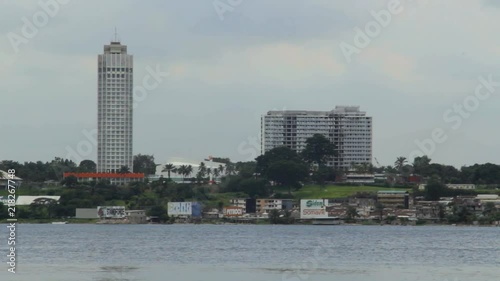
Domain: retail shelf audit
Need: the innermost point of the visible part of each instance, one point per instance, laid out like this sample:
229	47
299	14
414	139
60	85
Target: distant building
136	216
238	202
489	198
112	177
345	126
177	162
86	213
114	110
24	200
360	178
267	205
5	177
394	199
461	186
453	186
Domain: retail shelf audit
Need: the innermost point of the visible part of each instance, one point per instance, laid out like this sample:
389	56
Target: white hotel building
346	126
114	113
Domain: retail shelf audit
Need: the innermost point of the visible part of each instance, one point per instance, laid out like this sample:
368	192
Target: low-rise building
136	216
360	178
238	202
472	204
86	213
114	178
394	199
7	179
461	186
267	205
24	200
429	210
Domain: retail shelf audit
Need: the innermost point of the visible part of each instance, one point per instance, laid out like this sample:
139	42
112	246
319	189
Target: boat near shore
60	222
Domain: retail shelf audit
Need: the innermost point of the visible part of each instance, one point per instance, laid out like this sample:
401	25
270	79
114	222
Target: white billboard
111	212
313	208
233	211
180	208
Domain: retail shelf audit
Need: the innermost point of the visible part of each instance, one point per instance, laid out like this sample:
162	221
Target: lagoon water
253	252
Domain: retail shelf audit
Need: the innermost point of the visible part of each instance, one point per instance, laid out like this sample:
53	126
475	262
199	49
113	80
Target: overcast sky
226	68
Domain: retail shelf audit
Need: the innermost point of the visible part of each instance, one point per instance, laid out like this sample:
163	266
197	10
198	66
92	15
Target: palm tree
400	163
209	172
230	169
189	170
202	169
216	173
181	170
221	169
169	168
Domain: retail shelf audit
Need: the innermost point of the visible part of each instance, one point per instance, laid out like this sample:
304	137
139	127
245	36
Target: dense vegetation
279	173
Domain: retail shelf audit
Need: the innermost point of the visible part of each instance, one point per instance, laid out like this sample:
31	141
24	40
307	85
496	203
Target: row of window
116	69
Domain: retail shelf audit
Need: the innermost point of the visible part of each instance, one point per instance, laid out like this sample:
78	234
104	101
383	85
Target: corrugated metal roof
27	200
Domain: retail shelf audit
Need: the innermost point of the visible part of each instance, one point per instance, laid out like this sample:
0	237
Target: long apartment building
345	126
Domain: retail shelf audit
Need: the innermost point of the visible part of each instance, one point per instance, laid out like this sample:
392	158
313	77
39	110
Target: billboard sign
180	209
233	211
111	212
313	208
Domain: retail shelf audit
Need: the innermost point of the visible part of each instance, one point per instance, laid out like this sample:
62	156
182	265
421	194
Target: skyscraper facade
345	126
114	108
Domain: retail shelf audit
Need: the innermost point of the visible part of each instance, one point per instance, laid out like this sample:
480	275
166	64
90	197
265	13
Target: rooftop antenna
116	35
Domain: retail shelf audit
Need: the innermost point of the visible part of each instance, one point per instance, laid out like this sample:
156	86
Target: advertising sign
111	212
313	208
180	209
233	211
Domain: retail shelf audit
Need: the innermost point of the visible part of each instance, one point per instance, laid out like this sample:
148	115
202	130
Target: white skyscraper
114	112
345	126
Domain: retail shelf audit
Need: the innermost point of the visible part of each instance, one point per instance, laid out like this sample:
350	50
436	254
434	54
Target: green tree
287	173
144	164
202	170
421	165
351	214
221	169
318	150
434	189
281	153
400	163
169	168
160	212
274	217
87	166
209	172
215	173
124	170
70	181
379	207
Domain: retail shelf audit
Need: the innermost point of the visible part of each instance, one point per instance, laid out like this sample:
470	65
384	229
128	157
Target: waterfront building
267	205
394	199
346	126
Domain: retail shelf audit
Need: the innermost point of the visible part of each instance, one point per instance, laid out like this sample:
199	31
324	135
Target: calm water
257	253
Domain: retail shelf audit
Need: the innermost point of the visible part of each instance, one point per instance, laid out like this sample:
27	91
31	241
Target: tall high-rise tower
114	108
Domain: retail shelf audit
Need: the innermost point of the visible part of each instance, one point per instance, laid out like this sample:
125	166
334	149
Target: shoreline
97	222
